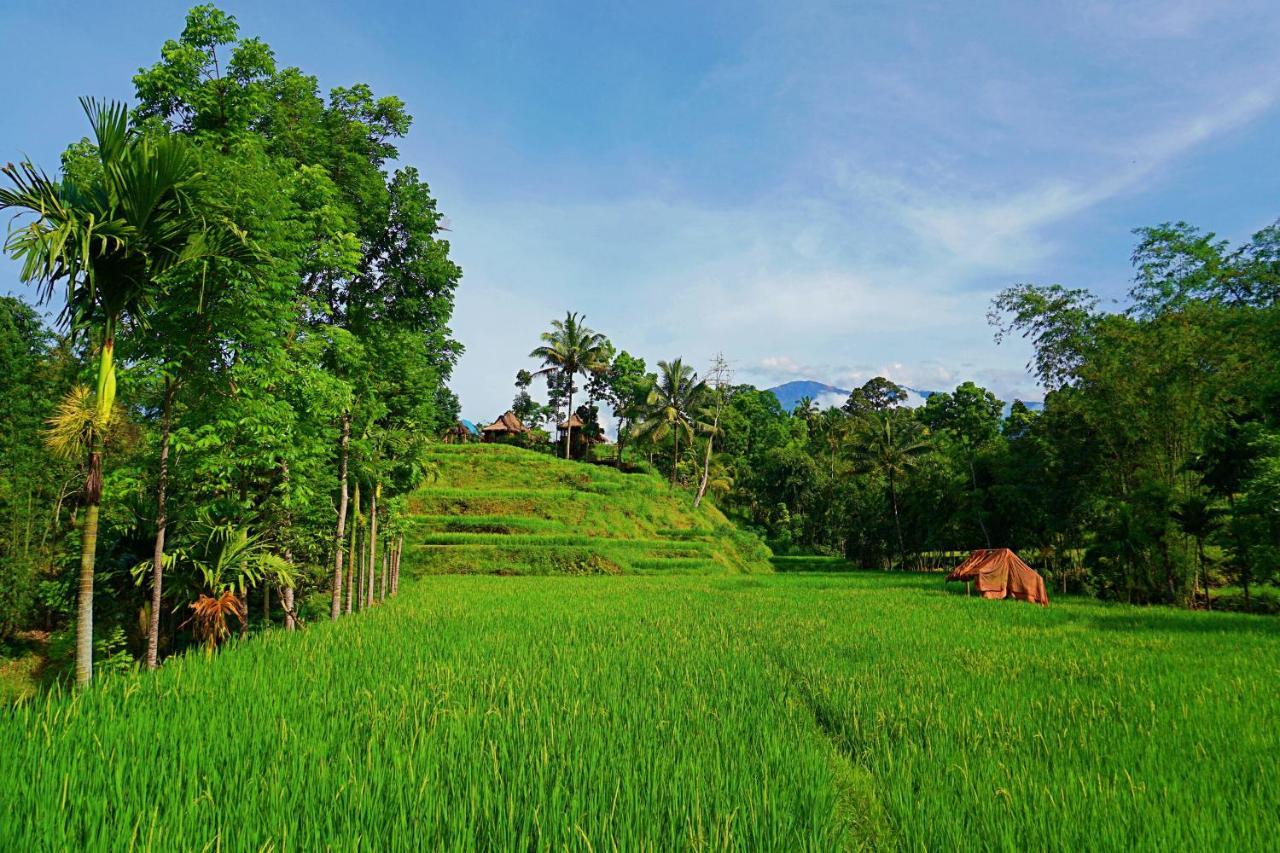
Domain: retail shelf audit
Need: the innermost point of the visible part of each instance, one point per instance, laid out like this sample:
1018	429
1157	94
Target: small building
574	423
507	426
462	432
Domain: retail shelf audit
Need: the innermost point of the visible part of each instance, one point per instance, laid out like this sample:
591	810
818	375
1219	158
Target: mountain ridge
789	394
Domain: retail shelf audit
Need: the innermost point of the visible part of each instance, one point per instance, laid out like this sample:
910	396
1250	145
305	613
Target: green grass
781	712
496	509
813	564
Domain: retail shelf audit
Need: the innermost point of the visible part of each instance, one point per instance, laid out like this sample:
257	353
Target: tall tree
569	349
891	446
672	407
109	238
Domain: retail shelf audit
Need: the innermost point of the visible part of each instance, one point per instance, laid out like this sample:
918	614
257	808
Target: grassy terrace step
504	510
488	524
537	541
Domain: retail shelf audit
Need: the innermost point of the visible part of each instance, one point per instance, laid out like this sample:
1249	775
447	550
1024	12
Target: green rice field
779	712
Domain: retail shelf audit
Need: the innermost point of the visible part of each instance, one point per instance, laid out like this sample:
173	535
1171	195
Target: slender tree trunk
675	454
335	607
157	557
286	592
93	499
84	614
386	569
373	540
568	420
977	509
266	604
395	566
352	568
622	431
897	524
706	461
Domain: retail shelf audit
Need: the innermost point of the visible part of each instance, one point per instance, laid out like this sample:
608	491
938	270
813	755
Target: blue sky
820	191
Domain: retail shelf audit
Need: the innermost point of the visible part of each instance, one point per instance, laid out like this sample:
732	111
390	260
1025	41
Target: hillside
495	509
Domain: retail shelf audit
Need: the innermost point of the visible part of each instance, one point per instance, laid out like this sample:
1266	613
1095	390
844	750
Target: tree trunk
157	557
104	401
568	420
622	431
675	454
386	569
973	478
352	568
373	541
706	462
335	607
84	613
266	604
395	572
897	524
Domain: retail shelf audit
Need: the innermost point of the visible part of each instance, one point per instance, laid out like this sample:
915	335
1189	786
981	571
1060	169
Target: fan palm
672	407
569	349
107	236
893	451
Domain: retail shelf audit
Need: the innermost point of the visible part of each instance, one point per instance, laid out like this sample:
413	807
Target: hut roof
574	421
1000	573
507	423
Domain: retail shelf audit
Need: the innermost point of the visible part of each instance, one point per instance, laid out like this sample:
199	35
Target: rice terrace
309	542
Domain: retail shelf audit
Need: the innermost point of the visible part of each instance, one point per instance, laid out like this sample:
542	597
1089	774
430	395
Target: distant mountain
789	394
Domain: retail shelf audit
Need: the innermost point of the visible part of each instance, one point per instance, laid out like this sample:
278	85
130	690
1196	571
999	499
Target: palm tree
571	348
893	452
228	560
672	406
108	236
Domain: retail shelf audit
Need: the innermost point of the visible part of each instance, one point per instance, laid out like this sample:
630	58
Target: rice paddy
690	700
785	712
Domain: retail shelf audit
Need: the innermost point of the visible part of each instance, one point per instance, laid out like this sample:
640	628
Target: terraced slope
495	509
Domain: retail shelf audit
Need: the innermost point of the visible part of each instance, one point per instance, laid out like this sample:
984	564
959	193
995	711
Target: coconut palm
107	236
672	407
569	349
893	450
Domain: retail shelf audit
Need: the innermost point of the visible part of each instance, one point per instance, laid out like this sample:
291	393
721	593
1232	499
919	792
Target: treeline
252	350
1151	475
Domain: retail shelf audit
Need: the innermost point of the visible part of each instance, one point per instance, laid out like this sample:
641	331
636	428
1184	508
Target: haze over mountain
789	394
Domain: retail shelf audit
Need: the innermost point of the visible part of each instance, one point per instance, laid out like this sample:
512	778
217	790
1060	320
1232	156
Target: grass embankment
503	510
764	712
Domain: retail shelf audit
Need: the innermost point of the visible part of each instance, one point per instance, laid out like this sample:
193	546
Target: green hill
495	509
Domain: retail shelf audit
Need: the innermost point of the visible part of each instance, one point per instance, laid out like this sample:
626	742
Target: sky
826	191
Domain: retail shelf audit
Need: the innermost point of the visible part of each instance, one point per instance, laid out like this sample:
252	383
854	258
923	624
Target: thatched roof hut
574	422
506	425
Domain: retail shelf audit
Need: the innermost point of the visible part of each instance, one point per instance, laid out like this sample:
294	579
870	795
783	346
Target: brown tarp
1000	573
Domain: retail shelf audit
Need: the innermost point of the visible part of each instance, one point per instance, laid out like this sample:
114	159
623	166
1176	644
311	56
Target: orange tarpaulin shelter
1000	573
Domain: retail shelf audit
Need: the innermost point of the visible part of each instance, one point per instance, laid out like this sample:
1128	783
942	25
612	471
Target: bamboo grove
252	346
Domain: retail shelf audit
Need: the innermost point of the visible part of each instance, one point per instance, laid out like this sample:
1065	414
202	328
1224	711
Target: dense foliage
255	326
